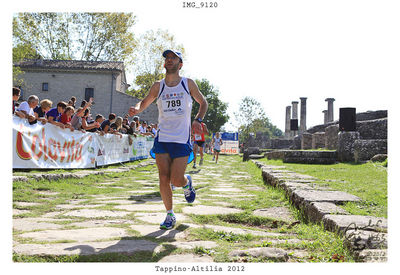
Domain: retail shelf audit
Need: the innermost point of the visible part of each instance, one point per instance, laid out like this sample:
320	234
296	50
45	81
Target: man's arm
206	129
198	96
142	105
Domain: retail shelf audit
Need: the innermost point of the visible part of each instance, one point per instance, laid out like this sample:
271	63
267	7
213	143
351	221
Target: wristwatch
199	120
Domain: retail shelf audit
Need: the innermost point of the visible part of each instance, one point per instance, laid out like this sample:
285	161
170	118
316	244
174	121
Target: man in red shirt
199	141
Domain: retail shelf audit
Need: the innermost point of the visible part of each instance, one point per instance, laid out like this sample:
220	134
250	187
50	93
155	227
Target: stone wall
365	149
373	129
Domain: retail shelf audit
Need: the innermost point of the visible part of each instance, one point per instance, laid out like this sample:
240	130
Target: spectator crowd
67	115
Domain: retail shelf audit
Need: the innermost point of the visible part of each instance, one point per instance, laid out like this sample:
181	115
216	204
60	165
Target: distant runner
172	143
217	142
199	141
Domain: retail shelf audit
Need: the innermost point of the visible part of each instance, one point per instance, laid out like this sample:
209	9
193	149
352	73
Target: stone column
294	109
303	114
287	122
294	115
325	116
330	108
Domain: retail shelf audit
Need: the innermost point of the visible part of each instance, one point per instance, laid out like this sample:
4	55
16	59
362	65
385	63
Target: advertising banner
230	144
47	146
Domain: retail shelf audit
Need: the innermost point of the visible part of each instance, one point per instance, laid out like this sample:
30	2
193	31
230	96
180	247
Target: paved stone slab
157	218
29	224
186	258
230	189
156	232
23	203
19	212
271	253
96	223
88	248
194	244
343	222
95	213
79	235
278	213
73	206
141	207
236	230
209	210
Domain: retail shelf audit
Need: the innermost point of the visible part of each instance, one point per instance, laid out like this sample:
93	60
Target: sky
279	51
274	51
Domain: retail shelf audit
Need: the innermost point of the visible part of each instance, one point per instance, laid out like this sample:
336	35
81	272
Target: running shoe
173	187
169	222
194	165
190	193
213	158
201	162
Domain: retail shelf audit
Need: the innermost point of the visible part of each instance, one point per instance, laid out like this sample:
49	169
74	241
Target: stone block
318	140
364	239
302	197
296	145
365	149
344	223
306	141
345	149
331	137
379	158
371	255
315	211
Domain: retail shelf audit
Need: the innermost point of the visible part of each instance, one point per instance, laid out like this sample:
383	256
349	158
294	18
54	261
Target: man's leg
178	168
194	154
201	149
163	162
178	178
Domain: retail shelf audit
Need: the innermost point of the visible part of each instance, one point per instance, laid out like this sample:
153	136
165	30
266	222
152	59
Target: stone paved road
127	221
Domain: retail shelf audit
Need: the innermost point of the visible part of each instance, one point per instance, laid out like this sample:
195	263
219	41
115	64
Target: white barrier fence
47	146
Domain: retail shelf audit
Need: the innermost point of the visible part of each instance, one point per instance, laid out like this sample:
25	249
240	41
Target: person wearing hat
172	146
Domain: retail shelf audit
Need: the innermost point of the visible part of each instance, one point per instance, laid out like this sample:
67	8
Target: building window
89	92
45	86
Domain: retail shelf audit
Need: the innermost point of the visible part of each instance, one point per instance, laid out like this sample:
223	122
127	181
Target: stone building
59	80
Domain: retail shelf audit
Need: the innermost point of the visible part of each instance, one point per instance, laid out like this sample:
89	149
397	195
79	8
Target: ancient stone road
129	222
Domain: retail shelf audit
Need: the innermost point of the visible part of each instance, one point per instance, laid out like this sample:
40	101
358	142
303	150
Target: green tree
149	61
216	115
21	52
83	36
252	119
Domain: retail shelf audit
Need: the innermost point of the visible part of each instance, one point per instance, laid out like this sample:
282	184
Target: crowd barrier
47	146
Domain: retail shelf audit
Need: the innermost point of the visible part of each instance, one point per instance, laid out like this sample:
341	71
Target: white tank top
174	111
217	143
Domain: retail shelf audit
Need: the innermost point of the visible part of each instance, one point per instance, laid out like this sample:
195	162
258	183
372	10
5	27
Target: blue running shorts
175	150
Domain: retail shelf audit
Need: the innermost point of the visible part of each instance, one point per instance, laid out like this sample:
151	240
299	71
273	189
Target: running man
217	142
172	143
199	141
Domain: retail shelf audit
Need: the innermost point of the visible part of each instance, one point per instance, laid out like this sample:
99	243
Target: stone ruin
369	139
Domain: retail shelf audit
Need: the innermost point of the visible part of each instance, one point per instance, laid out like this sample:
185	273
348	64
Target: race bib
172	104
